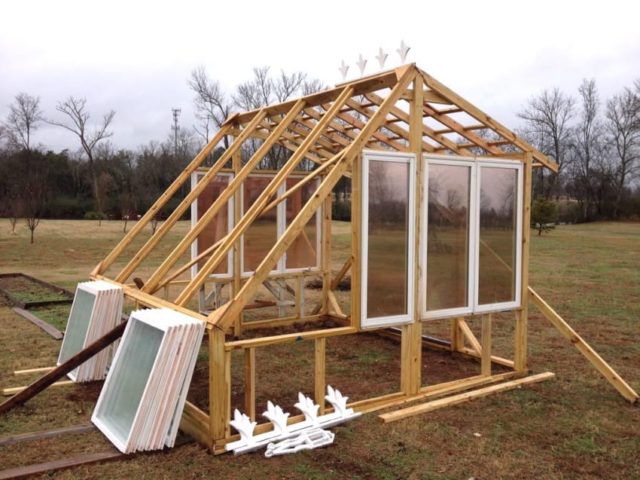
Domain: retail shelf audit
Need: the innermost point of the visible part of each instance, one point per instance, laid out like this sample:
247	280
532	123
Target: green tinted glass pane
129	378
77	325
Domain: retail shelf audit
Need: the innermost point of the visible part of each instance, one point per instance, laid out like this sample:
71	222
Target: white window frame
494	307
424	234
194	220
473	306
409	317
281	226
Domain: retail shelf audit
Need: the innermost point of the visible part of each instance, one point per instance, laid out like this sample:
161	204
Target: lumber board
60	371
41	324
583	347
480	116
42	435
29	371
463	397
8	392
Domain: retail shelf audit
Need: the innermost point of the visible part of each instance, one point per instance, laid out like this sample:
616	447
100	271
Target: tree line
595	143
98	180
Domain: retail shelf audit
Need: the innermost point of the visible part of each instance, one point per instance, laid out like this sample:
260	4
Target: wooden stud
356	243
485	362
325	255
521	328
464	397
237	250
250	382
320	372
584	348
469	336
219	385
288	338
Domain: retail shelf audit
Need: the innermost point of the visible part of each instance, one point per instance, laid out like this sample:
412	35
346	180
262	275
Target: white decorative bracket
277	417
308	408
339	402
243	424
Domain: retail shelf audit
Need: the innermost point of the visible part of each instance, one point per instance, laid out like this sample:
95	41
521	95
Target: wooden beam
429	132
250	382
485	360
320	372
583	347
373	83
463	397
61	370
219	385
522	316
41	324
160	202
487	120
288	338
468	334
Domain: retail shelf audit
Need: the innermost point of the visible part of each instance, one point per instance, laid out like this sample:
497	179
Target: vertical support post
320	372
299	289
522	316
250	382
326	252
356	241
411	347
237	274
485	359
457	339
219	386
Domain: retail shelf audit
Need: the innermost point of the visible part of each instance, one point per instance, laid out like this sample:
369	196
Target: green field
576	426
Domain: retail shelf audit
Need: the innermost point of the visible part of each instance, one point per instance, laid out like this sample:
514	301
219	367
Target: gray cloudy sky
135	57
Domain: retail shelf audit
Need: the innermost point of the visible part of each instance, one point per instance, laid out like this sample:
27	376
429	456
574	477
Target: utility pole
175	127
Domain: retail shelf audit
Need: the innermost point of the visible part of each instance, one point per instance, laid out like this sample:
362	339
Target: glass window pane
388	240
219	226
129	378
497	236
303	251
78	324
261	236
448	237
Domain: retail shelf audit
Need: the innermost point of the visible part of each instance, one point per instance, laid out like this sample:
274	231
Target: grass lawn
576	426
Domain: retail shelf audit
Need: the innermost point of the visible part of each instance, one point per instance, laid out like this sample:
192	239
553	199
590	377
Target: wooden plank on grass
7	392
585	349
41	324
60	371
33	436
463	397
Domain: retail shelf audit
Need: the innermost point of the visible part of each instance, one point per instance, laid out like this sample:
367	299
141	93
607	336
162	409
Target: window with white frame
471	246
262	234
220	225
388	225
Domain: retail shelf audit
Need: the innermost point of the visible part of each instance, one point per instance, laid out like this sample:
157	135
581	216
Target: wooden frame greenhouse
436	184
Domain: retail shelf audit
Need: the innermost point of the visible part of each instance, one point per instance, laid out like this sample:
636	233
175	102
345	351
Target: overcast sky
135	57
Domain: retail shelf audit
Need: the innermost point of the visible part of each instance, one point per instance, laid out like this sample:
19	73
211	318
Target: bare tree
78	123
24	116
623	127
212	105
548	118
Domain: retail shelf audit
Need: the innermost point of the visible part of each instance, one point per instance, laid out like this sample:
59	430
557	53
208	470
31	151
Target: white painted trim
476	164
410	159
496	307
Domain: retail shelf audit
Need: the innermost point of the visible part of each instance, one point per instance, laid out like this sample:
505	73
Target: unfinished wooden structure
440	208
